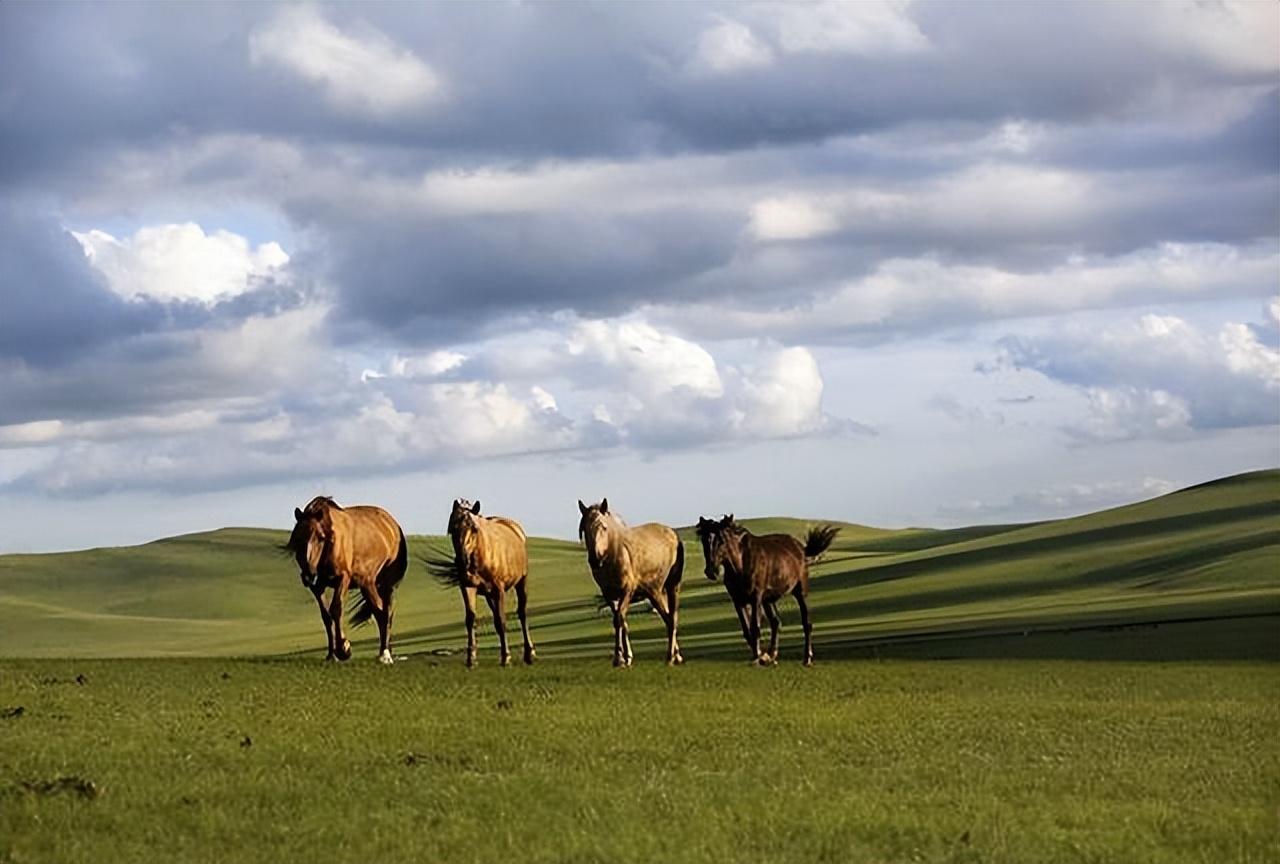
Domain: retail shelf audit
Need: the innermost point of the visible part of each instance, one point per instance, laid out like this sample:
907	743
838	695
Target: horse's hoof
331	657
679	659
385	658
808	662
505	661
344	653
765	660
529	657
617	662
471	661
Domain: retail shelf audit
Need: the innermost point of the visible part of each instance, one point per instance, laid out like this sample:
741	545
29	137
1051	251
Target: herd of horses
342	548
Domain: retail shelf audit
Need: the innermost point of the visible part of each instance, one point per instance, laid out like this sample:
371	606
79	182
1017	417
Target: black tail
444	568
677	569
819	539
362	611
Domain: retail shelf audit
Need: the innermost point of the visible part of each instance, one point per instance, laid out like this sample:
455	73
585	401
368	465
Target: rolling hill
1204	561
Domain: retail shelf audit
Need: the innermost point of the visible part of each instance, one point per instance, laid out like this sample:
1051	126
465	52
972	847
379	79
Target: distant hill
1209	553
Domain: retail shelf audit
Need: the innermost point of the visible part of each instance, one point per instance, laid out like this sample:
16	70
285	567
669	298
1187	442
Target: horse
489	557
758	571
337	547
647	560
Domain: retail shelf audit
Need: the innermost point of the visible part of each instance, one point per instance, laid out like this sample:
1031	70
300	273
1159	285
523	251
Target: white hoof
385	658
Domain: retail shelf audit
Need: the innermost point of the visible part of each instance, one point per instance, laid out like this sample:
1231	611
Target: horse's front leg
469	611
771	610
341	646
756	603
744	621
623	655
498	606
318	591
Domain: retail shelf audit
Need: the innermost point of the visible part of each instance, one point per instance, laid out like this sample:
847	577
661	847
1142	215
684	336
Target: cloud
1068	499
255	403
181	262
729	46
790	219
365	74
866	28
1159	376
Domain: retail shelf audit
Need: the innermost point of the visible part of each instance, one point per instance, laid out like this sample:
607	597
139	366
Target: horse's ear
604	505
297	515
582	508
730	518
475	508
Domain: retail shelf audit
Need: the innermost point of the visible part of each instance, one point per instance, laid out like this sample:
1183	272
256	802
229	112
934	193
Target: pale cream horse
489	558
647	560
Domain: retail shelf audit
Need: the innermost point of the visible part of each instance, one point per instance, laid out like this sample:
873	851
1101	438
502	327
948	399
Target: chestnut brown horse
337	547
647	560
758	571
489	558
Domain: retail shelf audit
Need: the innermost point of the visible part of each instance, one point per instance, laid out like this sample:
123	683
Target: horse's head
721	544
312	531
463	523
595	528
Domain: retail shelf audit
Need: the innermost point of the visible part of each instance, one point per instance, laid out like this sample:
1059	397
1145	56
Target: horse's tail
362	611
676	572
444	568
819	540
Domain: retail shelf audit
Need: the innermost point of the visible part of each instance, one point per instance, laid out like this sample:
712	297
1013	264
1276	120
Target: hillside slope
1211	552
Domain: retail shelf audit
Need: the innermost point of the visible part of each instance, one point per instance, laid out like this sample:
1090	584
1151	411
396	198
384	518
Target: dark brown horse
489	558
758	571
337	547
647	560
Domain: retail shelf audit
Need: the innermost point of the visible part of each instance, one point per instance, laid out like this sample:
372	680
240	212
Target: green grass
892	761
1212	552
1088	690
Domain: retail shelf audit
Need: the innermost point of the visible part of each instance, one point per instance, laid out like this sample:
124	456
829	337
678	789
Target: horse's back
506	550
374	533
777	561
653	550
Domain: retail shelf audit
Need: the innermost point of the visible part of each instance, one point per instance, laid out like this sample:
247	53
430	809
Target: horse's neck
617	541
744	553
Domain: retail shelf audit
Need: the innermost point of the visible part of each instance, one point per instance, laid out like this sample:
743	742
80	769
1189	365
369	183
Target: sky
895	263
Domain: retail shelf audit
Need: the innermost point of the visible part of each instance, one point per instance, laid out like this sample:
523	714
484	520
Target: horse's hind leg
522	608
803	603
673	601
381	611
771	611
498	605
662	603
469	613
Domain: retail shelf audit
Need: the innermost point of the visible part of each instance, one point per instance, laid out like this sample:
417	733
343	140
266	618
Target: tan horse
759	571
489	557
337	547
647	560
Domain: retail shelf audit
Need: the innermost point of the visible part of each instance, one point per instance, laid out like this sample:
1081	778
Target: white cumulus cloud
181	262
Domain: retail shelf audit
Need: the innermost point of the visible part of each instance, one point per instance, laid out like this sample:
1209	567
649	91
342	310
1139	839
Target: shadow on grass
1005	552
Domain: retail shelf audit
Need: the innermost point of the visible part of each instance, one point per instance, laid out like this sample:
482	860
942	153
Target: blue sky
897	263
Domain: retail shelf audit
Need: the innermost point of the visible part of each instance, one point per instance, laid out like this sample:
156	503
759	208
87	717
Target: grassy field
1212	552
873	760
1094	689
